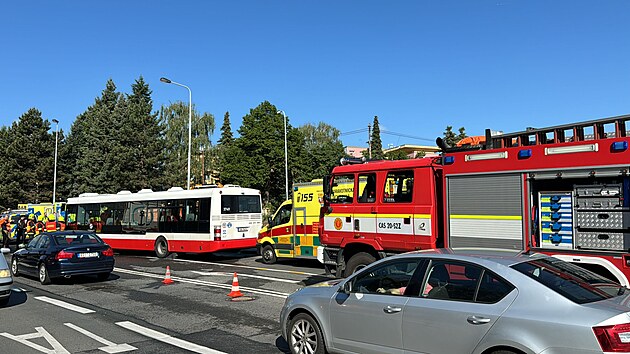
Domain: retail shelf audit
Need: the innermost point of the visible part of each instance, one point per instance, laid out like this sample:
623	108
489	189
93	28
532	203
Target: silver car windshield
569	280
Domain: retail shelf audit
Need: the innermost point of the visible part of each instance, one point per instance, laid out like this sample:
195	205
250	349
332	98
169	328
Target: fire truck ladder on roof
614	127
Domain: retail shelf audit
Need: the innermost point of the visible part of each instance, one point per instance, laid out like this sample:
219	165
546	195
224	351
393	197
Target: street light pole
286	163
167	81
55	169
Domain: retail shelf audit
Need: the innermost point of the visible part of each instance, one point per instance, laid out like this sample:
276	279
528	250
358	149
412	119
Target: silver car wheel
303	338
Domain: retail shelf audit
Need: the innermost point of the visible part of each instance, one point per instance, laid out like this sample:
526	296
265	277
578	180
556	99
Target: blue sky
418	65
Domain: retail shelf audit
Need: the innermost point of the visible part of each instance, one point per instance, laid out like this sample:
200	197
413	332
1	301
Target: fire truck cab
393	207
561	190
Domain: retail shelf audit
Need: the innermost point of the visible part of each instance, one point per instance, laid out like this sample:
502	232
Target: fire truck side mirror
269	221
326	187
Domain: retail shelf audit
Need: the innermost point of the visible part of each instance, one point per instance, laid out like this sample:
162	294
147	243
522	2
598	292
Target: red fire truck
562	191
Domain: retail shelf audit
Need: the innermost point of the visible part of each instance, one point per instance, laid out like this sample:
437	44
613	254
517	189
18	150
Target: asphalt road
133	311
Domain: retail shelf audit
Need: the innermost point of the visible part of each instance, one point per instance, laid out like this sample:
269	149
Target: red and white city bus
192	221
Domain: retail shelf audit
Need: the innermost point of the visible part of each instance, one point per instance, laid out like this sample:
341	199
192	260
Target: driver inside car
393	291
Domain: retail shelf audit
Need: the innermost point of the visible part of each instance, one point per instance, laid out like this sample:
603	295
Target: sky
417	65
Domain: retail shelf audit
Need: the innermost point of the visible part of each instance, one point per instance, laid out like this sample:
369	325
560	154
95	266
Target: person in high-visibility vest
51	225
39	225
30	227
4	228
61	223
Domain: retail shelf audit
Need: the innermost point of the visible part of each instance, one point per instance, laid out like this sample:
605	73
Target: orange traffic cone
167	278
236	292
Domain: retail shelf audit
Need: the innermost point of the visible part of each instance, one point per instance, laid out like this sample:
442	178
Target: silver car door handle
392	309
477	320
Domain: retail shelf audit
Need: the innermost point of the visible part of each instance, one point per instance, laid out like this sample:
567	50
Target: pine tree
462	134
375	142
449	137
5	133
29	173
226	131
93	138
141	145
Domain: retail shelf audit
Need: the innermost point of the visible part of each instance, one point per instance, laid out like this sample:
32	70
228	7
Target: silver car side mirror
345	288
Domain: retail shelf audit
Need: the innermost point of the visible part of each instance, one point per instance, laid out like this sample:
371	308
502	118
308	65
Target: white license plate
88	255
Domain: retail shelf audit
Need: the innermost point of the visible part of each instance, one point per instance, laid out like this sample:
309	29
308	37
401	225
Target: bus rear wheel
161	247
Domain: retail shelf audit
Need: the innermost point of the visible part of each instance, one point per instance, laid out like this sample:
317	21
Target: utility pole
370	141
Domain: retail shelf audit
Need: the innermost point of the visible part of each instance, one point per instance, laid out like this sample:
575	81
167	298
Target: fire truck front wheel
161	247
268	254
358	262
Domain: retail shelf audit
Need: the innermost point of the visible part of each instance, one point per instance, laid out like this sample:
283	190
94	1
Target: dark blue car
64	254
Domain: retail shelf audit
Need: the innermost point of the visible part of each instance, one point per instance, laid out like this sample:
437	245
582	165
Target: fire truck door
365	210
395	221
338	224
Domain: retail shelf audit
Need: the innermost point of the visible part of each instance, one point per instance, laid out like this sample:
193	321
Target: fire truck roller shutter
485	211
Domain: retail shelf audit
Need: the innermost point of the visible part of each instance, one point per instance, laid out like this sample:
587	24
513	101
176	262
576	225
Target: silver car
6	279
461	301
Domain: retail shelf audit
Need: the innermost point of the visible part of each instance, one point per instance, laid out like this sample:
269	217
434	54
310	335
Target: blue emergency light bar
619	146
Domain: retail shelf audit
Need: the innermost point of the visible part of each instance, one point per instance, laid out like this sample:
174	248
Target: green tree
462	134
397	155
375	141
256	158
28	174
226	131
5	134
93	139
140	146
174	121
449	137
323	149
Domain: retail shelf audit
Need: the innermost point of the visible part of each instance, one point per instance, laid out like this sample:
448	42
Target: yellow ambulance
292	231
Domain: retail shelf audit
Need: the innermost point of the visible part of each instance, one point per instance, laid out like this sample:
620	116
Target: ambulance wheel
161	247
358	262
268	255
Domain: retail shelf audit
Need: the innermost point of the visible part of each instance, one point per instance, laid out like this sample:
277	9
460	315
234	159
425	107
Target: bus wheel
358	262
161	247
268	255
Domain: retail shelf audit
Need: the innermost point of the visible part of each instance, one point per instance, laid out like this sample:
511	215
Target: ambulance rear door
306	219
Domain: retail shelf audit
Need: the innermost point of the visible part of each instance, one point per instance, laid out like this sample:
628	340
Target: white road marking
244	266
224	274
111	347
165	338
57	348
65	305
205	283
